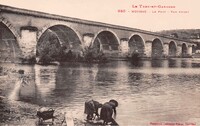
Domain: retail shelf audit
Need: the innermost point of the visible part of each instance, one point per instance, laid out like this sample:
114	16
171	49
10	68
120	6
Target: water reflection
157	63
14	95
182	63
134	78
45	81
173	63
185	63
154	91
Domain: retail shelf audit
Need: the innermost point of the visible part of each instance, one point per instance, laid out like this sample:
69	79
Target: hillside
183	33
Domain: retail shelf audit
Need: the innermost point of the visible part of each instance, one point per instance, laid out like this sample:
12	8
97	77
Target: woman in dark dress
91	109
107	111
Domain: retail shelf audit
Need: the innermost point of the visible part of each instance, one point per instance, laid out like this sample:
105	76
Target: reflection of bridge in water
69	85
64	83
23	33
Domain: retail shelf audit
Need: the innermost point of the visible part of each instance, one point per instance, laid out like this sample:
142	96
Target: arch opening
193	49
9	48
184	50
97	46
172	49
157	49
105	42
136	44
58	43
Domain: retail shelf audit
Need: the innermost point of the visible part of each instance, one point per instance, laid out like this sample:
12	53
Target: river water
157	91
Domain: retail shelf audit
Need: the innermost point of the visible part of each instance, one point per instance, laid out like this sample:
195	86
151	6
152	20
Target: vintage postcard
99	63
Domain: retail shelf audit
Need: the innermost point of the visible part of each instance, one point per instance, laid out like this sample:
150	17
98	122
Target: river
157	91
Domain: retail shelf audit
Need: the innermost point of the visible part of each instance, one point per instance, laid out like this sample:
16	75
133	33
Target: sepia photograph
99	63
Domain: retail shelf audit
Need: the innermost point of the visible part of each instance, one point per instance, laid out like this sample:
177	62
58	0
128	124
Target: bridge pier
179	50
87	39
148	49
28	42
189	51
166	49
124	48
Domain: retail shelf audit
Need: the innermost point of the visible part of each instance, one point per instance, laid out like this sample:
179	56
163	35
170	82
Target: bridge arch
157	49
172	49
193	49
10	27
67	36
106	40
136	43
60	24
9	42
184	49
58	39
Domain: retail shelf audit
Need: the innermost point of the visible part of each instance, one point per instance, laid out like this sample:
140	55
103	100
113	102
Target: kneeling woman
107	111
91	109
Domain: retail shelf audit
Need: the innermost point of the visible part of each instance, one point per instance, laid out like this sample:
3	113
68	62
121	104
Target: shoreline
24	114
15	112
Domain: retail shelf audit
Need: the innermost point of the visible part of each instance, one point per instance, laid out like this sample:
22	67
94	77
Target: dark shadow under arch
172	49
105	42
9	48
193	49
157	49
136	44
184	50
57	40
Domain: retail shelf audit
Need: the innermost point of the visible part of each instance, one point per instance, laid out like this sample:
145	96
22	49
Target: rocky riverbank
14	112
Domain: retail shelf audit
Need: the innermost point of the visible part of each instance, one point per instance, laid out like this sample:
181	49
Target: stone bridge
23	32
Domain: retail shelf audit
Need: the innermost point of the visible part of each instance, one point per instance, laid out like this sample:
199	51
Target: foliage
183	33
94	56
49	49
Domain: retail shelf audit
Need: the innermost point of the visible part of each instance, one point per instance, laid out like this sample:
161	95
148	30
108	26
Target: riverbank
14	112
23	114
17	113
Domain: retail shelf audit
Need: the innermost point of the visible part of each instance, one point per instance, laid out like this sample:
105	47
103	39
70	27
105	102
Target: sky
128	13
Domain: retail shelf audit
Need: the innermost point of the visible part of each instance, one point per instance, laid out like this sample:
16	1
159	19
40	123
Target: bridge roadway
24	32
